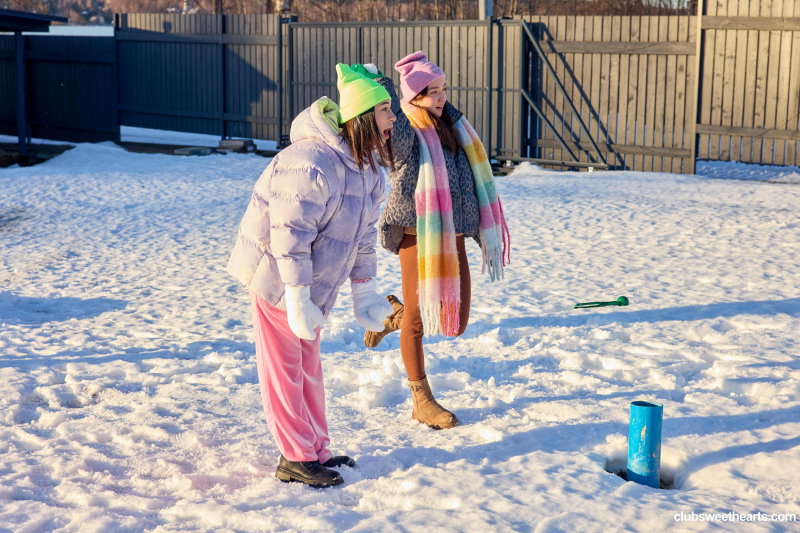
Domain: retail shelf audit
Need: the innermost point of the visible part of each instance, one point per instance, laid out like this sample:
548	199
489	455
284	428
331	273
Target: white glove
370	308
303	315
374	70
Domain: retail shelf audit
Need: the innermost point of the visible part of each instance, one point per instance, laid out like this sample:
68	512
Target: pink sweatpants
290	374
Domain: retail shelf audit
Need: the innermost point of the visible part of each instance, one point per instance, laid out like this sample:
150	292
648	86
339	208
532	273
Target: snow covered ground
129	391
78	31
148	135
742	171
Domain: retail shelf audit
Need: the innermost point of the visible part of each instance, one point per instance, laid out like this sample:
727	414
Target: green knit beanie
357	94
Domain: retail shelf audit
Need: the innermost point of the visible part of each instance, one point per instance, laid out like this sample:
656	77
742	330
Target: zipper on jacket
356	240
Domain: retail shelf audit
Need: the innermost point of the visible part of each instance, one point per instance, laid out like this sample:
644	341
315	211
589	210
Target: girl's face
435	99
384	118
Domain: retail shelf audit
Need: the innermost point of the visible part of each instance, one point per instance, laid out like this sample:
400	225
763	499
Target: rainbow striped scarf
439	282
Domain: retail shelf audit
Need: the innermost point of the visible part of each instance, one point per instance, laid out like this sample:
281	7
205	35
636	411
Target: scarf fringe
506	235
495	239
450	320
446	321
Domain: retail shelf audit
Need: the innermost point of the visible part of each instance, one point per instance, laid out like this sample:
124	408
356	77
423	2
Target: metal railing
599	162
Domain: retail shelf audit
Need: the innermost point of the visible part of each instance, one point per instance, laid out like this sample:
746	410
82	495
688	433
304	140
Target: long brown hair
362	135
444	127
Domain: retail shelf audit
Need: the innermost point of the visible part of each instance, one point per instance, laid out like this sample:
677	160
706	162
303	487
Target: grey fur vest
400	211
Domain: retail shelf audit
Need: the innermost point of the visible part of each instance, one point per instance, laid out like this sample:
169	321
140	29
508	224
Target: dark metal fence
221	74
640	93
72	88
214	74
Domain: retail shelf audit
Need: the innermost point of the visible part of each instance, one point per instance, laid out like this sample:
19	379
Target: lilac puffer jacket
312	216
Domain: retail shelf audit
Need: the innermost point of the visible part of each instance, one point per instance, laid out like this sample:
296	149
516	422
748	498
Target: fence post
487	135
360	44
698	72
280	81
291	54
282	77
223	76
524	76
484	9
537	68
116	79
22	122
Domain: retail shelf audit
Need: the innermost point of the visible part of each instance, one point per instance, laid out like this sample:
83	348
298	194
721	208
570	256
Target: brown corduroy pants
411	332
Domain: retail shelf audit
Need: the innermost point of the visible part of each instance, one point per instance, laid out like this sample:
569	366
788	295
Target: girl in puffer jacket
309	227
442	191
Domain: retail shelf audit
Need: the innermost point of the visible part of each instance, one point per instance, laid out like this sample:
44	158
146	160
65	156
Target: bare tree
101	11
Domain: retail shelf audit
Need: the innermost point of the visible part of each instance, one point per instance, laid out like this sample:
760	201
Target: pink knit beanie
416	73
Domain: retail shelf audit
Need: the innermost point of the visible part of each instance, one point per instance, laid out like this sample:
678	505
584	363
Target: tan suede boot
427	410
392	323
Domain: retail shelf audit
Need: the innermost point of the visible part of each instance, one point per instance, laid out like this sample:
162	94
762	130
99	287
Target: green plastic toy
621	301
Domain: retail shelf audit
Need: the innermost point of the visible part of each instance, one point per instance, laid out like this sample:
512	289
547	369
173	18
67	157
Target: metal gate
537	118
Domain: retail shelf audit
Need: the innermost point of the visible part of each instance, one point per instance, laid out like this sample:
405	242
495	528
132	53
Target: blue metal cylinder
644	443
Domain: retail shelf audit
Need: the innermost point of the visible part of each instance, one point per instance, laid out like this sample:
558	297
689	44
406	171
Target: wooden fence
631	79
655	93
656	98
480	68
750	90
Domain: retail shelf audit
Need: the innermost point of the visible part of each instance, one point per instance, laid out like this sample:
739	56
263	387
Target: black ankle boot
308	472
339	460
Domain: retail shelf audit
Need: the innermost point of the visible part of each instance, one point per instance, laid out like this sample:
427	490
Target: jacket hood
321	122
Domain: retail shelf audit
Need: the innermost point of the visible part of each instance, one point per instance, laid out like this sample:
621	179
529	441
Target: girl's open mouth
386	133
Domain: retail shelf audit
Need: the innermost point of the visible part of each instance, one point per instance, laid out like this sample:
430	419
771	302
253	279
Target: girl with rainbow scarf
442	191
